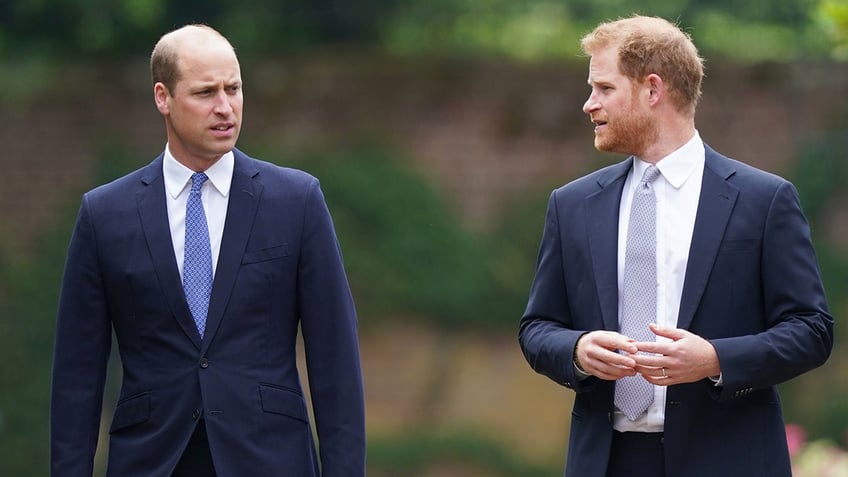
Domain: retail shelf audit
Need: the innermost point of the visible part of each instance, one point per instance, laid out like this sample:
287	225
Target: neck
671	138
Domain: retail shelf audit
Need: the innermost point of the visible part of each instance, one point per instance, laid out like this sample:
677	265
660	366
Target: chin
604	146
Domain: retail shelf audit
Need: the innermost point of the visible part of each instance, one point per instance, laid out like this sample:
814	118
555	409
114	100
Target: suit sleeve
80	356
329	326
799	330
546	333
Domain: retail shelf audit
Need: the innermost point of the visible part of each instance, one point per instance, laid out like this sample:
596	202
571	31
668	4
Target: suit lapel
245	193
602	227
715	205
157	231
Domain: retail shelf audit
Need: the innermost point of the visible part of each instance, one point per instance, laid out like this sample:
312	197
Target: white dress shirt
214	194
677	190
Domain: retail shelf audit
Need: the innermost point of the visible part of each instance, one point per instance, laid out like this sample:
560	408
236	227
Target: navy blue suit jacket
752	288
279	269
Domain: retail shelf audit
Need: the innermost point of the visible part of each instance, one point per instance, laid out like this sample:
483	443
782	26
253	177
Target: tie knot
650	174
197	180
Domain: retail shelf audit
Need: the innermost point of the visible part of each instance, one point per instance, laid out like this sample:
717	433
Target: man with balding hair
205	264
674	290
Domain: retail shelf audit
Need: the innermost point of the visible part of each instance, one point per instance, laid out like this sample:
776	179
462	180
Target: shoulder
124	188
594	182
740	173
272	175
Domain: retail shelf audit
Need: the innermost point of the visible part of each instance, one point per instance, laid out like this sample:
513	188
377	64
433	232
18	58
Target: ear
655	87
161	95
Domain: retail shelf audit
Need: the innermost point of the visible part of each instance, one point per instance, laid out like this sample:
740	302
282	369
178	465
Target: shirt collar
177	176
679	165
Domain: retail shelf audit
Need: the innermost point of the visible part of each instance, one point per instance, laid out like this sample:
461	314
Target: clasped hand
684	358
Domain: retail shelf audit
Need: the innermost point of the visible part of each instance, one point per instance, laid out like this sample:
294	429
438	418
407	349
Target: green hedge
417	452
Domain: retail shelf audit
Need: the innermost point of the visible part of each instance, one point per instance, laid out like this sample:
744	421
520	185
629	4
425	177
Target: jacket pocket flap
265	254
132	410
283	401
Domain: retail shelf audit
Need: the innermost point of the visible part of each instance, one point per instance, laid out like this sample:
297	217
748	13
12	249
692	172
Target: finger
616	341
616	359
648	361
627	346
609	365
655	371
611	372
659	380
607	339
649	348
667	332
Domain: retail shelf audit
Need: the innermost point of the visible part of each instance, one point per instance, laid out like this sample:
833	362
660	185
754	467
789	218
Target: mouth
599	124
223	129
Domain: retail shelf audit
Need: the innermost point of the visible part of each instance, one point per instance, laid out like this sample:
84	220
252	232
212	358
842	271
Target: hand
597	354
686	359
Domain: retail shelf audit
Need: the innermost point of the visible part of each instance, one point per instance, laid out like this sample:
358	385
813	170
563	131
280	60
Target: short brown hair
649	45
164	60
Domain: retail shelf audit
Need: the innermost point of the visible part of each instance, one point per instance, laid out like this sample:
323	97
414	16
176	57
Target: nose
222	103
591	104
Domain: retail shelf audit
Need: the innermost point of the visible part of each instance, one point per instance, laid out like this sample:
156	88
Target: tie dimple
197	263
633	395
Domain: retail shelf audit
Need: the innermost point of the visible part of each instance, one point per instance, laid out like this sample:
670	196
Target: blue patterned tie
197	264
633	394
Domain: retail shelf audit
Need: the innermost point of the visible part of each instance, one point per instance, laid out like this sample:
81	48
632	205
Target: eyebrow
599	82
209	84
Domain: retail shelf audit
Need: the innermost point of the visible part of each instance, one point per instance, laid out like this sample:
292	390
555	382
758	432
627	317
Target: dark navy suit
752	288
279	268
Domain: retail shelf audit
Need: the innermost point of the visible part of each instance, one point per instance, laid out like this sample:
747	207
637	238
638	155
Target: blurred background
438	129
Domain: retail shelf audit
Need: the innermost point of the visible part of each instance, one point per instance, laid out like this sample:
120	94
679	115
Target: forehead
208	62
603	66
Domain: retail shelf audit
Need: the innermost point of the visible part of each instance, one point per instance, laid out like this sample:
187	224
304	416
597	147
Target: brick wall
484	132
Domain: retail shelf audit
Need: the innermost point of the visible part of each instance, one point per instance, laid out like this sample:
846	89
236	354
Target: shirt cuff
718	380
579	373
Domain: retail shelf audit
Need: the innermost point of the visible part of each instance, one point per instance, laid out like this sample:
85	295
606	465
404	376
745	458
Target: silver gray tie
633	394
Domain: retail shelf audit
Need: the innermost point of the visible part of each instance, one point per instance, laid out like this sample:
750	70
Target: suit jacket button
196	414
204	363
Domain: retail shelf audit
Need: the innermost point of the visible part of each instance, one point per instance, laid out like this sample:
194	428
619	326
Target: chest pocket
265	254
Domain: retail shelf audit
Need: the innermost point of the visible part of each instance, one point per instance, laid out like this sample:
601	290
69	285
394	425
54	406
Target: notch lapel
245	193
602	210
153	212
715	205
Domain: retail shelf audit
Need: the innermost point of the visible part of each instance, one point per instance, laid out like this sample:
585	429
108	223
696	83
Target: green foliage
422	451
832	16
405	251
755	30
820	173
113	28
523	30
748	31
31	285
25	79
749	41
820	179
512	250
